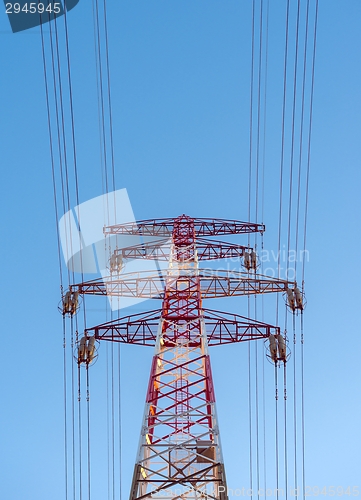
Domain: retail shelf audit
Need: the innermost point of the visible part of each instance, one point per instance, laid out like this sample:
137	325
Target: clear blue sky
180	84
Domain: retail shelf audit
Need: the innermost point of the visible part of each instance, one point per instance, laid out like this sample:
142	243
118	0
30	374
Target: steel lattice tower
180	438
180	453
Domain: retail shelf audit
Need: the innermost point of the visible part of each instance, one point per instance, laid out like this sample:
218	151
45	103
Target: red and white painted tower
180	453
180	443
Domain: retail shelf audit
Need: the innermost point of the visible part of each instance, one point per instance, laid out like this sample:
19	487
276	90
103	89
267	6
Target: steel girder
160	250
202	227
212	284
221	328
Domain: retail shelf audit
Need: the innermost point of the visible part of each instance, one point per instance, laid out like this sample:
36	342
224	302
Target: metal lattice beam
212	284
160	250
202	227
221	328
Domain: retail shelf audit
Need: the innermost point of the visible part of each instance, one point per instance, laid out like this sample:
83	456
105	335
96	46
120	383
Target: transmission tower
180	453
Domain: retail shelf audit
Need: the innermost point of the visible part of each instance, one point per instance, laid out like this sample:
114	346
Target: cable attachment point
116	264
295	299
277	349
70	303
250	261
86	351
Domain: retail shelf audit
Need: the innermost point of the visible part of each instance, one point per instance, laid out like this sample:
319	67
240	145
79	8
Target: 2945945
33	8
